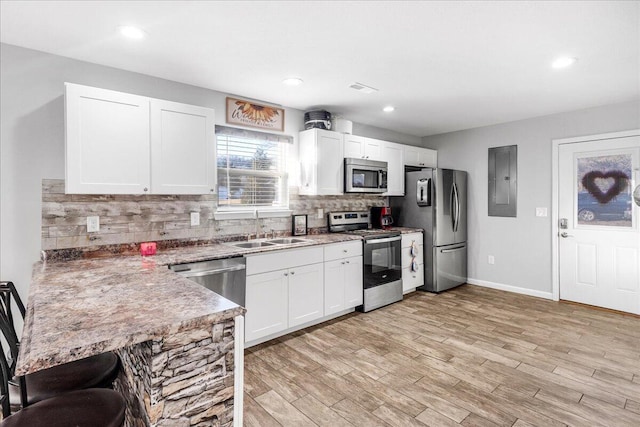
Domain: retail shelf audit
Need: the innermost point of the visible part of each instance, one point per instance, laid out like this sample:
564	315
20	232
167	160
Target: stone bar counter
178	341
175	338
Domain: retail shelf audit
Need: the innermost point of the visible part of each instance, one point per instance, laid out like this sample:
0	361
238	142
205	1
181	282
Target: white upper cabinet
392	154
117	143
420	157
360	147
107	142
353	146
183	157
321	162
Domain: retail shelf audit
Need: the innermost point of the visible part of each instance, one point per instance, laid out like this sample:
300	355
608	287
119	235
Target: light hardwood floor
470	356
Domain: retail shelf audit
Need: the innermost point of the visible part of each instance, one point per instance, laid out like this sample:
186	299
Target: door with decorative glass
599	238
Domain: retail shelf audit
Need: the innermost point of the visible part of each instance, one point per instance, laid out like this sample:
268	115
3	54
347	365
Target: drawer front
280	260
419	254
412	279
408	238
342	250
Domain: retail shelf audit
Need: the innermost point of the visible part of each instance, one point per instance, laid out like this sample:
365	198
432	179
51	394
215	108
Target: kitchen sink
287	241
252	244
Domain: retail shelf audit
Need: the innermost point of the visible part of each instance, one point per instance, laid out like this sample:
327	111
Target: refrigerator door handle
446	251
452	199
456	198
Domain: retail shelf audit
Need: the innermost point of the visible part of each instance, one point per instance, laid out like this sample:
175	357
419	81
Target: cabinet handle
347	262
345	251
286	274
146	189
211	190
342	263
293	272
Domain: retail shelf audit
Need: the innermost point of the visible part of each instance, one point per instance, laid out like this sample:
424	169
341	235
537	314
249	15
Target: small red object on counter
148	248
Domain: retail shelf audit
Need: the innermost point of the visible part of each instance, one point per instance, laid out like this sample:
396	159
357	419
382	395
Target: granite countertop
89	306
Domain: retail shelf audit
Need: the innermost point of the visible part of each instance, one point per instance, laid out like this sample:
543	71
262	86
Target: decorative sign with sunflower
247	113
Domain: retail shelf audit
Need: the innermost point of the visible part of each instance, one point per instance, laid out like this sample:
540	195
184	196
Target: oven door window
362	178
381	263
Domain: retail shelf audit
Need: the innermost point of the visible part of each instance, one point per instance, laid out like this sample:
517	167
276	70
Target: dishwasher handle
221	270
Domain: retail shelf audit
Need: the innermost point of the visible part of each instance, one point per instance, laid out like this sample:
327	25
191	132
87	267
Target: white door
306	294
599	241
353	285
107	141
182	149
334	292
392	154
267	304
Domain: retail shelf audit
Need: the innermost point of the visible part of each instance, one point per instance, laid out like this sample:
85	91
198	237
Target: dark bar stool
92	372
95	407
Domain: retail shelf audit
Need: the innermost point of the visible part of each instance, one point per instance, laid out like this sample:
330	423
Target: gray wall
32	138
521	245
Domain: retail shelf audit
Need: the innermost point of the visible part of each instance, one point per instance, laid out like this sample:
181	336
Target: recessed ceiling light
388	108
293	81
563	62
132	32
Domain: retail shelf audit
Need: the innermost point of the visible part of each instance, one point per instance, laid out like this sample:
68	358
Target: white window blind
252	170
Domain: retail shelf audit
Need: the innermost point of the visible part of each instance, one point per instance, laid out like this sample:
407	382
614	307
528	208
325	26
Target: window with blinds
252	170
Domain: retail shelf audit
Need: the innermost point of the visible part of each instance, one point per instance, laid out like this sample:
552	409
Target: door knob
565	234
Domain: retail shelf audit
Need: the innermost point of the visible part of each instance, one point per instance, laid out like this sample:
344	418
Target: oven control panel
351	220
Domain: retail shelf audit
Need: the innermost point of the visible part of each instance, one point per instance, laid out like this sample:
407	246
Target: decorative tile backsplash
129	219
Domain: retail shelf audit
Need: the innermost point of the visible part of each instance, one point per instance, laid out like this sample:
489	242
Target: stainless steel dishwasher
226	277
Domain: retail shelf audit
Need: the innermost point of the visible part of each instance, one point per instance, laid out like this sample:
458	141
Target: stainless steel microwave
365	176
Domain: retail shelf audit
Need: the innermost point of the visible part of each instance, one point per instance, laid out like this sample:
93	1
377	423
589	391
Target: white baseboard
509	288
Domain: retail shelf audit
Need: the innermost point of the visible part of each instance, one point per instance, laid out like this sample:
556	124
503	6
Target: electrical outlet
93	224
541	212
195	218
491	259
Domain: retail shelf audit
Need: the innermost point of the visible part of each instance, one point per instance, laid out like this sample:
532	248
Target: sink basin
287	241
252	244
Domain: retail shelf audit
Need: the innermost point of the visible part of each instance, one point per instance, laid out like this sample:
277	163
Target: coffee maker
381	217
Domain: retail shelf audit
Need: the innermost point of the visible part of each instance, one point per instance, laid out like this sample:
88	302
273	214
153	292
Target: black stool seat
82	408
92	372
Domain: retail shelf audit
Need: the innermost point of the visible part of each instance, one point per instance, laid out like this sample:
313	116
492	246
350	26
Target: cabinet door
107	142
392	154
182	149
334	286
373	149
306	294
266	304
354	146
412	279
429	158
353	282
420	157
330	180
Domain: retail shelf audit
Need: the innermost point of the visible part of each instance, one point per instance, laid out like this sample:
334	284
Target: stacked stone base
182	380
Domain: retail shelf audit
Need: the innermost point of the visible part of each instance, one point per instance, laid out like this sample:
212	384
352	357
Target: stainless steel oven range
382	258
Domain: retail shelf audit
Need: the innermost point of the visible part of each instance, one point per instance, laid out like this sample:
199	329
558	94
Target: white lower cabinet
267	304
342	276
342	284
290	288
353	286
284	289
412	279
306	294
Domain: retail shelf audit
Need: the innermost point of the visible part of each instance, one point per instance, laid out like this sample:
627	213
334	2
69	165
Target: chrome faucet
257	227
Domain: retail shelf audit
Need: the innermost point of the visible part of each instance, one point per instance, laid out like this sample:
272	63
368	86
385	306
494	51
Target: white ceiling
444	65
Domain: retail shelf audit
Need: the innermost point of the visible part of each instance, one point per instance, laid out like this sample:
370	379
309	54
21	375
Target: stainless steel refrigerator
436	201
